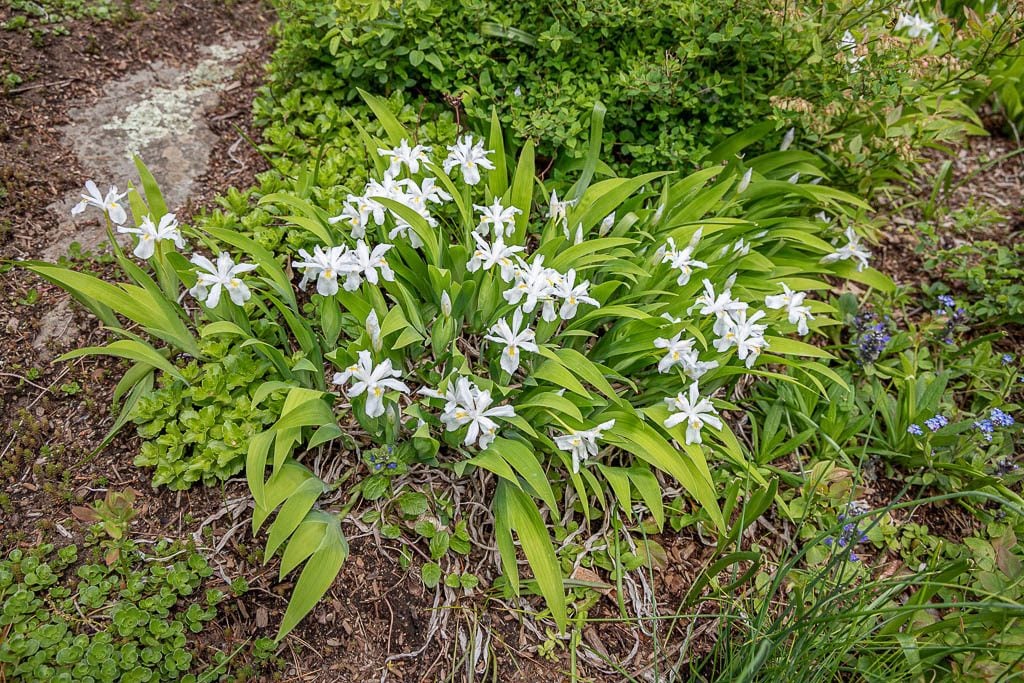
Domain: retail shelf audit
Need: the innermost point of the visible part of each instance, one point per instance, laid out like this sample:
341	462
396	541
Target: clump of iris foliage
867	84
568	341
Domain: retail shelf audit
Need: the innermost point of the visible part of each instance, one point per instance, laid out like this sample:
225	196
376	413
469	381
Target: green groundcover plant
553	346
72	622
866	84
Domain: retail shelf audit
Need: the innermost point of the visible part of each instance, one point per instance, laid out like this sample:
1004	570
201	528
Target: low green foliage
991	275
197	428
51	16
70	622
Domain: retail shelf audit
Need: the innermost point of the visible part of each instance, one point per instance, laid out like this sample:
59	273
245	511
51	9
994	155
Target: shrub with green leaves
681	76
567	342
70	623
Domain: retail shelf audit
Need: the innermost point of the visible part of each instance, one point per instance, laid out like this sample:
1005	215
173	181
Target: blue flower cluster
850	535
870	335
996	419
957	316
382	458
915	429
936	423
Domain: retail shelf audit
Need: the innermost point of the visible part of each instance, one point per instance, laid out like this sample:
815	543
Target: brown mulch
985	172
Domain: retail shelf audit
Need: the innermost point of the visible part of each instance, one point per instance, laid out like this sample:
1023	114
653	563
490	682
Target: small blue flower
1001	419
947	300
1005	467
936	423
915	430
986	428
1007	358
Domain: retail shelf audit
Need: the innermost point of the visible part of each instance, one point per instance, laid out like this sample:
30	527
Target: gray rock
157	113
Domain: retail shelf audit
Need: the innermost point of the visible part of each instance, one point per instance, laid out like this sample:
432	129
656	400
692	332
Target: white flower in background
682	259
558	211
388	188
678	351
446	304
849	45
225	274
575	238
916	25
823	217
572	295
682	353
108	204
468	405
693	409
746	334
606	225
373	381
470	157
149	234
671	318
745	181
364	263
741	247
324	266
355	213
404	154
721	306
373	330
699	368
501	220
582	444
793	302
514	337
404	229
787	139
487	256
794	179
853	250
427	192
534	283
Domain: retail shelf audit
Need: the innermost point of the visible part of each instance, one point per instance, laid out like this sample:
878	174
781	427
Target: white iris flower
373	381
793	302
468	405
364	263
404	154
324	266
514	337
501	220
853	250
150	233
470	157
224	275
108	204
486	256
582	444
572	295
693	409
